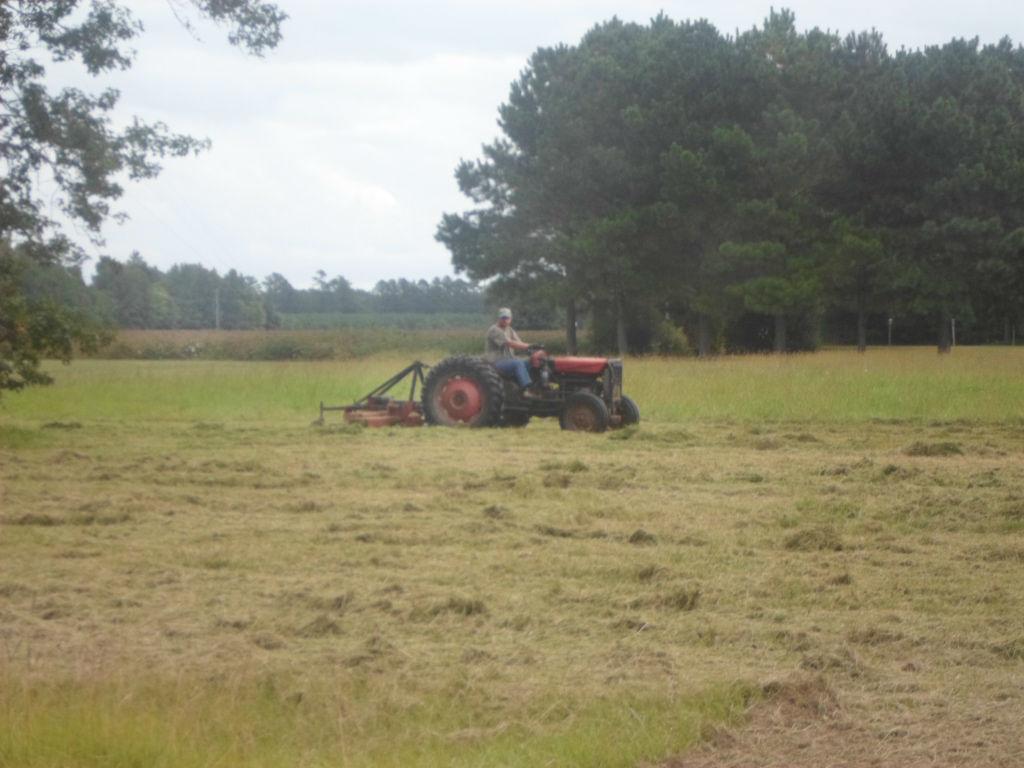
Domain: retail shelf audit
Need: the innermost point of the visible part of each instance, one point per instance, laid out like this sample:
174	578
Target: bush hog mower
585	393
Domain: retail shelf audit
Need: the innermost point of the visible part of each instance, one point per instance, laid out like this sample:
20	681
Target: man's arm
515	342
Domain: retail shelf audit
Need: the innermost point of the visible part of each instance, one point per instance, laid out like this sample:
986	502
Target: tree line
665	181
135	294
752	189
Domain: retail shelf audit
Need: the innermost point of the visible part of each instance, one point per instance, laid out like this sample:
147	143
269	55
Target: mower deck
377	409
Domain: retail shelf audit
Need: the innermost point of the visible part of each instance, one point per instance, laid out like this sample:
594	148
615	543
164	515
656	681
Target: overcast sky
337	150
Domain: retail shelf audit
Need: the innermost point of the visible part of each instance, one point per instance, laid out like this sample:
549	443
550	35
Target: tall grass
912	383
985	384
408	320
343	343
193	724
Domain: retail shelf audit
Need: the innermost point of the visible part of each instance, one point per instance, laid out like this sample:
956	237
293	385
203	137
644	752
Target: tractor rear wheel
584	412
463	390
630	411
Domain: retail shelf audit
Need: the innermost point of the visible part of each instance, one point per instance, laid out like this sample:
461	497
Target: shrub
670	339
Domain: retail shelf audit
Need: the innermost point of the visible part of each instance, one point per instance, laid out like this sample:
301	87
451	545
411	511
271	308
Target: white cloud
340	165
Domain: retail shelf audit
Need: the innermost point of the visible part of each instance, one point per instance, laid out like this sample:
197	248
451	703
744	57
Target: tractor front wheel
630	411
584	412
463	390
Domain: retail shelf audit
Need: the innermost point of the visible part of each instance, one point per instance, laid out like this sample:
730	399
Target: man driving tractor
584	393
499	347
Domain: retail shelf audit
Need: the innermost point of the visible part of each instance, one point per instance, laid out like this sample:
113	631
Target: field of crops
797	561
342	343
371	320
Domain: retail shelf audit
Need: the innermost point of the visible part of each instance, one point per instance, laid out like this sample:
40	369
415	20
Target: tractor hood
589	366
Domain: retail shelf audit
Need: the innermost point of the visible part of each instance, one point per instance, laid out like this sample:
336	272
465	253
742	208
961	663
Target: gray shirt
496	342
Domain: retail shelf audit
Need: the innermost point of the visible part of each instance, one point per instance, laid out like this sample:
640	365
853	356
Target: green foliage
774	173
670	339
61	152
38	325
135	294
337	296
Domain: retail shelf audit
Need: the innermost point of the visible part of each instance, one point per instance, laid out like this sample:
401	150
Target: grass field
821	555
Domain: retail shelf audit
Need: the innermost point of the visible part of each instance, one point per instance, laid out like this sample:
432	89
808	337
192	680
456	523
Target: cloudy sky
337	150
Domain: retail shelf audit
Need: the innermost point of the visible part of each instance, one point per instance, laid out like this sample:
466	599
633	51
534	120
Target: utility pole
890	331
952	323
216	307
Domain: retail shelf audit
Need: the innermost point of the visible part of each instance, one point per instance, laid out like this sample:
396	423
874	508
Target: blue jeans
512	368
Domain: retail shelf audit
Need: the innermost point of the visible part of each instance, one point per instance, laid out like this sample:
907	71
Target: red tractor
585	393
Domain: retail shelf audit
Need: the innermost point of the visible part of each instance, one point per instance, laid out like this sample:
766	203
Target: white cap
505	312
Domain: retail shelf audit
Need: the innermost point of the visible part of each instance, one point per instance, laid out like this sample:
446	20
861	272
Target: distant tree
271	318
342	297
701	190
534	302
854	268
779	219
37	320
239	302
607	183
447	294
58	283
280	294
999	286
60	151
195	291
931	144
669	170
526	189
131	291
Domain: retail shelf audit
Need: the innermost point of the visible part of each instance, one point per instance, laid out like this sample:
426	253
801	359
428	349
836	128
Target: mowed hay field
810	560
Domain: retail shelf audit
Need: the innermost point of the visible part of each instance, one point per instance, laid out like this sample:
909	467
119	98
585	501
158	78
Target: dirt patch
803	723
795	700
793	710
